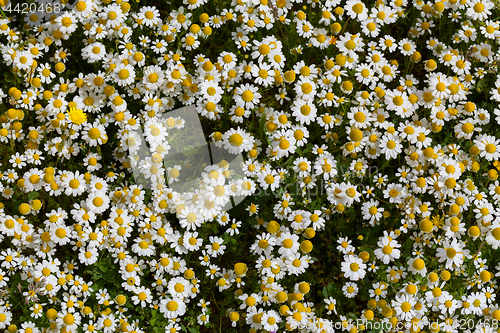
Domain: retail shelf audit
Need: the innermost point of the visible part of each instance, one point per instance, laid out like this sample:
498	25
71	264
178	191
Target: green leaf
152	321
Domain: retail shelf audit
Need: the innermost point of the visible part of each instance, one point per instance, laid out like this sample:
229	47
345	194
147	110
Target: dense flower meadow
355	185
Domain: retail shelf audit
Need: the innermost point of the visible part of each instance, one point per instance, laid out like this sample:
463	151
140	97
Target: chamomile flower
353	267
452	253
190	218
390	145
269	178
479	9
356	10
150	16
288	244
178	287
349	44
350	289
88	256
489	146
388	249
94	134
271	319
74	183
493	236
305	88
371	211
304	111
237	141
404	306
247	96
233	227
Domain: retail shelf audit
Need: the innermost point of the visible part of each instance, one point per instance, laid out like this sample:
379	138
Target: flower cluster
101	229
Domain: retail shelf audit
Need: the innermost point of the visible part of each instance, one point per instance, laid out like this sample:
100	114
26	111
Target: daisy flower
489	146
88	256
305	88
490	29
359	117
326	166
211	91
107	323
238	114
268	178
404	306
271	320
479	9
302	166
304	111
70	321
356	10
387	250
263	74
417	266
18	160
143	247
493	235
227	60
304	29
23	60
466	129
388	43
192	243
179	287
349	44
190	218
67	23
113	15
124	74
452	253
369	27
319	38
45	74
215	248
399	102
153	77
74	183
94	134
365	74
247	96
289	244
233	228
371	211
261	50
94	52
